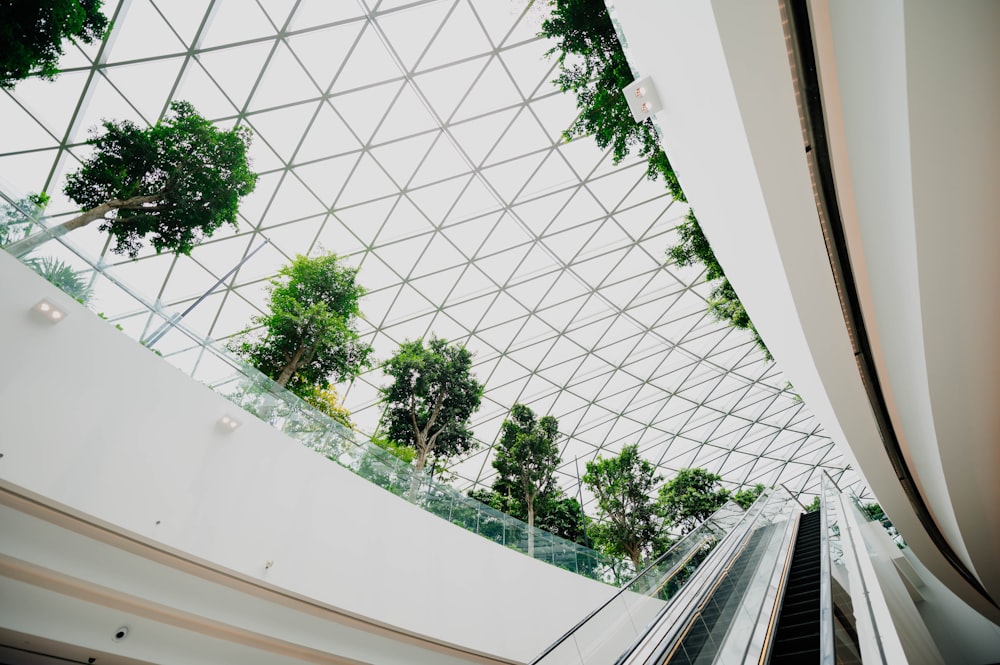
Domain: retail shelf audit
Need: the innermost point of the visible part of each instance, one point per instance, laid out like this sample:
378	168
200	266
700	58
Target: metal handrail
696	533
670	642
680	613
827	645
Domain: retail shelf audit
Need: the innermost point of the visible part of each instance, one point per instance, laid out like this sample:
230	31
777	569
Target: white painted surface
94	421
733	134
962	634
913	636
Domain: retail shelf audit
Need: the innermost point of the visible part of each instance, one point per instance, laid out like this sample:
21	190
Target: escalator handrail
711	571
827	647
673	639
779	599
686	540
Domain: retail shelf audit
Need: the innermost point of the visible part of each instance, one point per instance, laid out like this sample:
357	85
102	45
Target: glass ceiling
422	139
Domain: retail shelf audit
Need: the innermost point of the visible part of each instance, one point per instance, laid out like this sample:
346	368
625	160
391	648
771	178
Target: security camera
121	634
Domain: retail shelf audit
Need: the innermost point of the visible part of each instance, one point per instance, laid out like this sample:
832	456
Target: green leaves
32	34
173	184
527	454
745	498
309	337
690	498
592	65
723	302
430	399
627	524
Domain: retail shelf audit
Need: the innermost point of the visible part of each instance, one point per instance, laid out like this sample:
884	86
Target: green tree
173	183
593	66
562	516
690	498
429	401
32	34
745	498
627	523
62	275
310	335
874	513
554	512
327	400
814	506
526	459
723	303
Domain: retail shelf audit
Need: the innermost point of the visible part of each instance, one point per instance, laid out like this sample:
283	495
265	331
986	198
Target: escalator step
796	638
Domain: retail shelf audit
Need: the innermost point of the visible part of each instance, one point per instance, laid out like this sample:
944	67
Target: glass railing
604	634
718	616
213	365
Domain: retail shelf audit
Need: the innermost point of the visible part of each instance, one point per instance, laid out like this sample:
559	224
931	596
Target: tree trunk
636	557
26	245
531	528
288	371
415	478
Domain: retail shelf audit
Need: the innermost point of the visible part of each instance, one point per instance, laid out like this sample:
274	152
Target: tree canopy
593	66
690	497
745	498
32	35
172	184
62	275
326	400
309	337
723	303
627	522
526	459
428	403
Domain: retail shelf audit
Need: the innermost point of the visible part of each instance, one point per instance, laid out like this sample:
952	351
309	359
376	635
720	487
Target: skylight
422	139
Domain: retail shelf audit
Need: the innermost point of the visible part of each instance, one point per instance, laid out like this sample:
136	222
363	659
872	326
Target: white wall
95	422
733	134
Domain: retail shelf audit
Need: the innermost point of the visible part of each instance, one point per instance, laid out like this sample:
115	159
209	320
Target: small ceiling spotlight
642	98
48	311
227	423
120	634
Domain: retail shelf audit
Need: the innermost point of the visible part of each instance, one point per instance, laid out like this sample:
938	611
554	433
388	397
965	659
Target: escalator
716	613
754	595
797	636
762	606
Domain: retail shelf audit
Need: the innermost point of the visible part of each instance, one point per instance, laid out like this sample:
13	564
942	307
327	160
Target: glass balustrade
213	365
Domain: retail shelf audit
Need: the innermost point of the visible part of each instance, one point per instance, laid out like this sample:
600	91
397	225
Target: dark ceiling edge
802	59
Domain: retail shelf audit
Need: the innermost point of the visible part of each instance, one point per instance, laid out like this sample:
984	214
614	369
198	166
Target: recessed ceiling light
227	423
49	312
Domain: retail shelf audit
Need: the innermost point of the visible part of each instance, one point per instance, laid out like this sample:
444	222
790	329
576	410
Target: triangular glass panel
235	70
478	136
441	162
326	178
401	157
235	21
411	30
196	86
139	33
284	82
185	19
461	37
323	52
368	64
493	91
